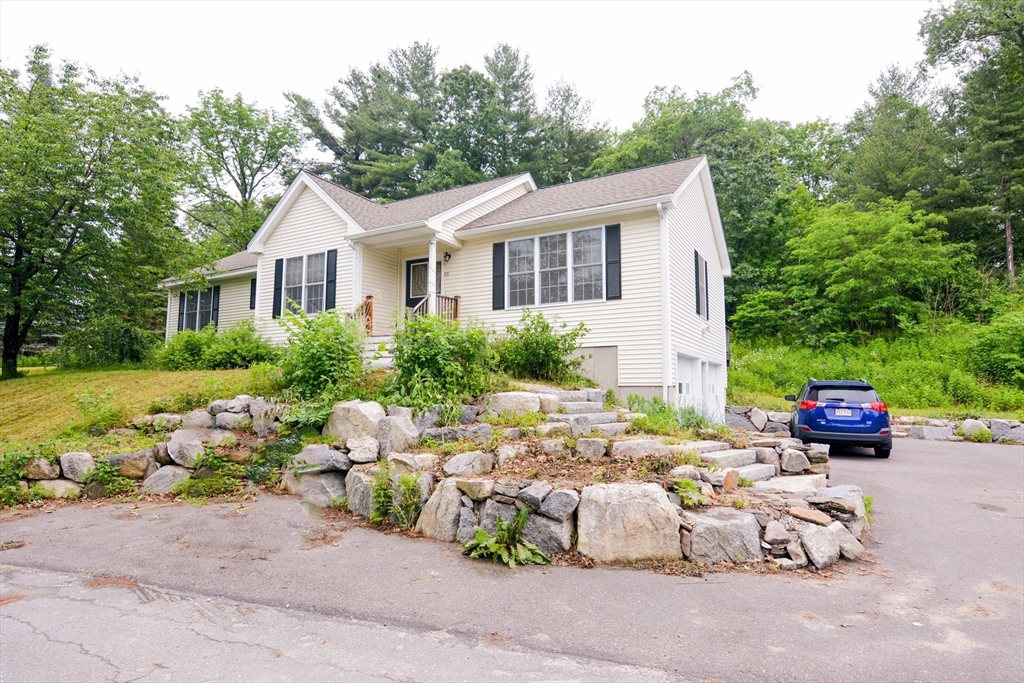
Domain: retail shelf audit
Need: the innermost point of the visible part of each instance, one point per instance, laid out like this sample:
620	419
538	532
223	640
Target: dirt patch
8	599
126	581
1000	587
11	545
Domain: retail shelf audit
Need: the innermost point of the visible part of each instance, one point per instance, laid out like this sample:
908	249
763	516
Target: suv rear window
826	394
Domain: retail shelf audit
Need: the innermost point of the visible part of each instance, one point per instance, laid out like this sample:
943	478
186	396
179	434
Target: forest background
884	247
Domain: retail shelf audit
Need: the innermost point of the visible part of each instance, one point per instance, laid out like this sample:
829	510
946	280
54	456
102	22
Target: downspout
666	321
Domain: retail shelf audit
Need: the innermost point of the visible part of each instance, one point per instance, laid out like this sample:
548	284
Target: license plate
844	412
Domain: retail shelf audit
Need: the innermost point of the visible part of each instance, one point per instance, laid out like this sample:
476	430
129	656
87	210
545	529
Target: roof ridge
628	170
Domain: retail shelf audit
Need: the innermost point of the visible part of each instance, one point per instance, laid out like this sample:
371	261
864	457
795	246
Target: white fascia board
567	216
291	194
368	235
524	179
703	172
222	275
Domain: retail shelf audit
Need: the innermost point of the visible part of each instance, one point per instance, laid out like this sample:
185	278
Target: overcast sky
809	59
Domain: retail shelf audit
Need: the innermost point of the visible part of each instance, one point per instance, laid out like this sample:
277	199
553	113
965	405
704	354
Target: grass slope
41	405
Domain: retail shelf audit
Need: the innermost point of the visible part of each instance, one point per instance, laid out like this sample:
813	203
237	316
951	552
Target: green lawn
42	404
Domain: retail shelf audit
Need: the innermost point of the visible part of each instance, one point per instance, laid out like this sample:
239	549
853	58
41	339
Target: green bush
12	469
41	360
99	411
187	349
324	352
665	418
110	479
507	545
536	350
997	352
238	347
104	341
213	476
440	362
934	366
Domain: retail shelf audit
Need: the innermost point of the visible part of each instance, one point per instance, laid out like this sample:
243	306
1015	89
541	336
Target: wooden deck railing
447	308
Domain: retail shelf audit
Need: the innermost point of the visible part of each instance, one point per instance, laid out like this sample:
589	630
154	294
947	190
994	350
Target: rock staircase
583	410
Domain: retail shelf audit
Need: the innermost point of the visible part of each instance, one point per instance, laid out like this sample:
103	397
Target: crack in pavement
80	646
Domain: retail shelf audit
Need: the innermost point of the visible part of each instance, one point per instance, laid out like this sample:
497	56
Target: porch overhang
406	235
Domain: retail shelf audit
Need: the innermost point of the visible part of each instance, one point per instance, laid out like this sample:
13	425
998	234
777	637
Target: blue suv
841	413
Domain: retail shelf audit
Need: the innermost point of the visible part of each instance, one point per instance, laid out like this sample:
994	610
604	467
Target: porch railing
447	308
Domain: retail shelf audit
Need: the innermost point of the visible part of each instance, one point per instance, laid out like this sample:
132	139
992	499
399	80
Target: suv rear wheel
882	452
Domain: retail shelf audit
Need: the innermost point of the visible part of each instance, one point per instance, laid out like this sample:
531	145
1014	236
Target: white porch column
357	275
432	277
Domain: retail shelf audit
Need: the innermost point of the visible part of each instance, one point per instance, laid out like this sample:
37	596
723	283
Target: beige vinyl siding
380	280
631	323
233	305
310	226
449	227
690	228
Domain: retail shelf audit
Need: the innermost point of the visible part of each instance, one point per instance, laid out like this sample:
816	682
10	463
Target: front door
416	281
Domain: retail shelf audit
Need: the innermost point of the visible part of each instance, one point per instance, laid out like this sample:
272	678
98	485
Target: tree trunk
12	346
1010	267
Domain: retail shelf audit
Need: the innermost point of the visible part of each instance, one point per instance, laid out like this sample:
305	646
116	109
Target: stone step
577	396
611	428
802	483
706	446
582	422
756	472
733	457
580	407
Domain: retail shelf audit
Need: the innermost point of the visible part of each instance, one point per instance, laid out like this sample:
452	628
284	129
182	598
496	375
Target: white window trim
284	281
569	267
705	302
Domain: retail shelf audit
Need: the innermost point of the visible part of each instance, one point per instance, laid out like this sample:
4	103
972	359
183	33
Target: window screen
554	272
521	277
587	266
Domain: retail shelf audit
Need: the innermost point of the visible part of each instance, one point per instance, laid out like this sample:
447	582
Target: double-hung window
559	268
198	309
305	279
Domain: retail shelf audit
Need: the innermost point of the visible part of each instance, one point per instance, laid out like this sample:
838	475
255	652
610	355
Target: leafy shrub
266	379
324	352
665	418
997	352
238	347
99	412
535	350
507	545
440	362
381	498
40	360
407	508
213	476
689	493
983	435
103	341
187	349
265	466
110	479
12	469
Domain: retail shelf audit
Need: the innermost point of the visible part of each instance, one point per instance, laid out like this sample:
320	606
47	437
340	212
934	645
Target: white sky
809	59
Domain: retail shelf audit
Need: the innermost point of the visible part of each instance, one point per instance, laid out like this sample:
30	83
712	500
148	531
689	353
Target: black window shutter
707	297
181	311
332	277
252	294
498	285
215	313
613	266
278	281
696	279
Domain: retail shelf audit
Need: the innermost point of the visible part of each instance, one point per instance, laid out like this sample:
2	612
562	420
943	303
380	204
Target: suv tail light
808	405
879	406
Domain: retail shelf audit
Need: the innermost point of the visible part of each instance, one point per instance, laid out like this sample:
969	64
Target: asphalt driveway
229	592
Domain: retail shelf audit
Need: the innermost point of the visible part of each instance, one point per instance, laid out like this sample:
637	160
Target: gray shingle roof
373	216
641	183
242	259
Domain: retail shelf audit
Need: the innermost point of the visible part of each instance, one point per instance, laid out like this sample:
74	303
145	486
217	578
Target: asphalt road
250	593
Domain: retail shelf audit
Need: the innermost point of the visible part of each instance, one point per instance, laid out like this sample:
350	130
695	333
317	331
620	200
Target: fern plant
507	545
407	508
689	493
381	499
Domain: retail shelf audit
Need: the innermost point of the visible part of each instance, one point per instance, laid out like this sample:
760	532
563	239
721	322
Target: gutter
564	216
222	275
